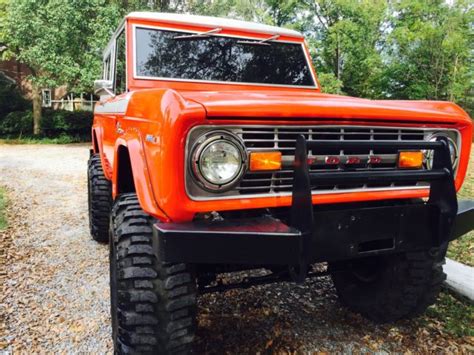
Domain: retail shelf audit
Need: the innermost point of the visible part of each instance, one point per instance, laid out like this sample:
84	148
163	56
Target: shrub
16	118
55	123
17	123
10	98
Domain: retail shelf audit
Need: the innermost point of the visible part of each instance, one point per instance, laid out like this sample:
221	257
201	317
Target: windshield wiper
263	42
200	34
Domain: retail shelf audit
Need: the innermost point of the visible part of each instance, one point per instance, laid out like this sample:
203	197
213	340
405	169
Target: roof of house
214	22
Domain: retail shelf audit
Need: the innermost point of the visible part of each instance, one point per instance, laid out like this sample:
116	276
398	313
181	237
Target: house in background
17	73
56	98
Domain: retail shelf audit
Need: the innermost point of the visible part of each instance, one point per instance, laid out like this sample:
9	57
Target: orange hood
302	104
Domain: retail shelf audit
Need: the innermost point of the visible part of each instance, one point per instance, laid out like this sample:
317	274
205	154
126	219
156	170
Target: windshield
162	54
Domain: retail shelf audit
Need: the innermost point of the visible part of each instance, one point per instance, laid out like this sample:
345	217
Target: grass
3	203
451	315
462	249
63	139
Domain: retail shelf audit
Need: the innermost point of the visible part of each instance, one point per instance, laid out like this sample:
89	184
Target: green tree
280	12
272	12
345	36
3	17
430	50
330	84
148	5
59	41
230	8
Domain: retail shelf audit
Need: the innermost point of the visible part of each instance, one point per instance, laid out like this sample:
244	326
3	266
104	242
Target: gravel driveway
56	296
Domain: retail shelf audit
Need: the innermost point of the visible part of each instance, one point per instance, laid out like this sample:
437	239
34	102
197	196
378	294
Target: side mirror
103	87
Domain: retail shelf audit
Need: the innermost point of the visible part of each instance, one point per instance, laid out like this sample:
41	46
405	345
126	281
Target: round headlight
453	151
218	160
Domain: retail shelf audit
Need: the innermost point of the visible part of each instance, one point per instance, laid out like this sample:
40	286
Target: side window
120	57
106	73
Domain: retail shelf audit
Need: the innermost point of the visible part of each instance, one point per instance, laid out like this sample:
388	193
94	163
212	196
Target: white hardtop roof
214	22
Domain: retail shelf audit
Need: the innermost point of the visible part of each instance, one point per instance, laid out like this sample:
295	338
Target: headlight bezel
451	143
204	142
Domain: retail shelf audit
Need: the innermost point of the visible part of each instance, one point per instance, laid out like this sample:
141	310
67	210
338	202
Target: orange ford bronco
214	150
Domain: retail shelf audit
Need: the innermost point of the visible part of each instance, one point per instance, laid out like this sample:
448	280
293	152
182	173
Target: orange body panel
154	118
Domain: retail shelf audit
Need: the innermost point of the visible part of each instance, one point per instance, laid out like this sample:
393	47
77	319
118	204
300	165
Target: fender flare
97	137
141	177
98	133
95	142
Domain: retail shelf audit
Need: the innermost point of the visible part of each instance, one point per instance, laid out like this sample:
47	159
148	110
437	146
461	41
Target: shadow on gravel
289	318
281	317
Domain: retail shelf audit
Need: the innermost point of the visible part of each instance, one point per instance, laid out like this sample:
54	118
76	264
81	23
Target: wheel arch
130	175
95	143
124	182
96	136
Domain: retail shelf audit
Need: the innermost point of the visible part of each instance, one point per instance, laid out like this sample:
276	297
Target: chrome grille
283	138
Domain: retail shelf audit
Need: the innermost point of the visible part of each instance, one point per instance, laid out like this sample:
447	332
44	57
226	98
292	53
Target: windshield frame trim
163	28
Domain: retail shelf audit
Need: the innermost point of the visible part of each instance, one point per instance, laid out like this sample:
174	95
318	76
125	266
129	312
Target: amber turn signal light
261	161
410	160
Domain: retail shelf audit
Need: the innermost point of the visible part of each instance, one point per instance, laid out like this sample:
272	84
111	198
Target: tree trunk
36	110
453	80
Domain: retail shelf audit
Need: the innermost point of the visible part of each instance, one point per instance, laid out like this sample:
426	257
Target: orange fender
141	178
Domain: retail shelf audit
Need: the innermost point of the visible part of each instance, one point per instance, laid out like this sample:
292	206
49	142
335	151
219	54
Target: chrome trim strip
135	76
314	192
114	107
317	192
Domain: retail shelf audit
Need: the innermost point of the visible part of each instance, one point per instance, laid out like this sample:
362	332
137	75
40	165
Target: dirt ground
55	295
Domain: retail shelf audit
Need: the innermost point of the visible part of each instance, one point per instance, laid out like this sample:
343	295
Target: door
112	110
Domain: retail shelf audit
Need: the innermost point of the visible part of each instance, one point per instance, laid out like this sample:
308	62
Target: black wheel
153	304
100	200
389	288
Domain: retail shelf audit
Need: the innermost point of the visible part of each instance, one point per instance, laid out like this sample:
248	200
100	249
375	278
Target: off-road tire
399	286
153	304
100	200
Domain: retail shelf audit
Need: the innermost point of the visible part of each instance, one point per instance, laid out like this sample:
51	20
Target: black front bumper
314	235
